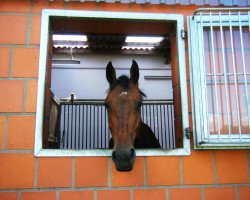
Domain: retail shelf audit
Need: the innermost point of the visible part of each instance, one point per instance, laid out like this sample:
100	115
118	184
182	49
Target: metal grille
221	76
83	123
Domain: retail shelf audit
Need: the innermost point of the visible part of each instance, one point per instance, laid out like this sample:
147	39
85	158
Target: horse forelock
123	81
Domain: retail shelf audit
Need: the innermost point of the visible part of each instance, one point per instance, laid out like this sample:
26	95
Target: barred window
219	47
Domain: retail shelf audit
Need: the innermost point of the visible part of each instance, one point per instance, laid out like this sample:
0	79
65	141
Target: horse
123	103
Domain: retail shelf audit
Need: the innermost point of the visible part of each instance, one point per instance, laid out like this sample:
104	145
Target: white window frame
207	18
44	43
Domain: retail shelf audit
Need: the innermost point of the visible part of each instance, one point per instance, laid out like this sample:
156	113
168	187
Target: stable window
75	49
219	44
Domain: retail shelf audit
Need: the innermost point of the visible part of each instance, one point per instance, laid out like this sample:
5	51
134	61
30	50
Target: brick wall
205	175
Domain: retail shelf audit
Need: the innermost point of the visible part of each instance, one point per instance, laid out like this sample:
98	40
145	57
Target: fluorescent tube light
142	39
78	38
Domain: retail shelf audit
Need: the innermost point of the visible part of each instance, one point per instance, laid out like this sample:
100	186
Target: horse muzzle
124	159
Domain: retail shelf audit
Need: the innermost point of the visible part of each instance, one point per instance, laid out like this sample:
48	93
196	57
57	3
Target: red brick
4	61
11	96
38	195
27	67
133	178
145	194
22	6
31	96
220	193
81	5
39	5
8	196
160	8
228	162
16	171
54	172
76	195
157	173
134	7
2	127
185	194
113	194
198	168
35	30
21	131
113	6
13	29
91	171
244	193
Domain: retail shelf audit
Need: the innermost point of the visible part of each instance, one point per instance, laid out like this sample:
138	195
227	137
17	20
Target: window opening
77	41
222	69
83	119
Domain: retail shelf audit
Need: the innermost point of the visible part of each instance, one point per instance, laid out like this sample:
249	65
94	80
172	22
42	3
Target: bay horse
123	103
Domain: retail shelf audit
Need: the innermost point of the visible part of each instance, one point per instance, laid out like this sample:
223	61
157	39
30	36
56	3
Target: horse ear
134	72
110	73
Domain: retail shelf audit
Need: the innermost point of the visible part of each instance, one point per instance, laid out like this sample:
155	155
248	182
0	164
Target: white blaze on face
123	93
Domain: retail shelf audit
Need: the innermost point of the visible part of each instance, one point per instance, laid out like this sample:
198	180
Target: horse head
123	103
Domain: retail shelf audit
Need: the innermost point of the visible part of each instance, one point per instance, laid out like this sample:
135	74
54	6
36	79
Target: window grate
84	125
220	77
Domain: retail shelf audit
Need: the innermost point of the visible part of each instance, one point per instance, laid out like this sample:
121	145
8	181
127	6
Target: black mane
123	81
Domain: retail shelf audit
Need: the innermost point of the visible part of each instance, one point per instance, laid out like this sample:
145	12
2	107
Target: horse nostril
132	154
114	156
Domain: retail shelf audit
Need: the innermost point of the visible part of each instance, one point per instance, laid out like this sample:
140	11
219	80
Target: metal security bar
83	123
219	45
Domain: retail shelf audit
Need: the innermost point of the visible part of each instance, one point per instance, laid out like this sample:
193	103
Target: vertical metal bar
234	73
165	126
225	78
101	125
161	133
68	144
244	69
215	76
206	134
94	127
169	129
157	123
79	127
154	119
72	114
90	127
98	125
75	110
173	126
87	120
64	127
106	127
83	127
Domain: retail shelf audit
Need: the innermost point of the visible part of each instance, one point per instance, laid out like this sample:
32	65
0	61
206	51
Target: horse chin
124	169
124	166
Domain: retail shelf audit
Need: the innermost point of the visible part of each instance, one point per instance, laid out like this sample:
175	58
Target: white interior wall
88	80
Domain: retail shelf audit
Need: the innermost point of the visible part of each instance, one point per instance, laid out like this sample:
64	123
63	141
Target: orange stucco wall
205	175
